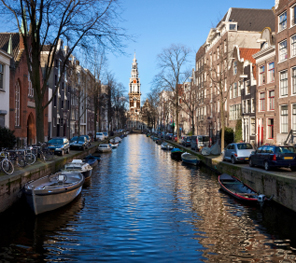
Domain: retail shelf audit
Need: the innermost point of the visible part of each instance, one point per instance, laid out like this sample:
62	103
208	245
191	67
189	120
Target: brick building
22	116
266	92
285	74
220	63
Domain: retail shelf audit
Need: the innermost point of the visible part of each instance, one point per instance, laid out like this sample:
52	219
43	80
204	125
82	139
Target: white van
100	136
199	141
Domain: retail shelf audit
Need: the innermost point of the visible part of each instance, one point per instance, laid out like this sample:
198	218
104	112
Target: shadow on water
141	205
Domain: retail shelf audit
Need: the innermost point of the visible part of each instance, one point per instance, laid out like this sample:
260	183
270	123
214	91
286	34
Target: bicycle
42	152
6	165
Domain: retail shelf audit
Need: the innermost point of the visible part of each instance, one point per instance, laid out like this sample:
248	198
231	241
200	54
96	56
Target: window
284	119
248	106
218	52
252	106
271	99
270	129
283	21
17	103
262	101
294	80
230	93
225	46
247	87
235	68
253	126
284	83
271	72
293	15
293	46
283	55
232	26
235	94
294	117
1	76
262	75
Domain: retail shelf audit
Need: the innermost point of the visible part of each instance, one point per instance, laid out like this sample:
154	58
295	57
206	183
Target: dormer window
232	27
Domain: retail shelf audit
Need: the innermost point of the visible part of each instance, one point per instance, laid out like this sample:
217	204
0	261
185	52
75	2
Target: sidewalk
281	183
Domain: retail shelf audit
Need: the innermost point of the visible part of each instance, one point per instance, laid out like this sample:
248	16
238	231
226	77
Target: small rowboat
176	154
190	159
238	189
53	191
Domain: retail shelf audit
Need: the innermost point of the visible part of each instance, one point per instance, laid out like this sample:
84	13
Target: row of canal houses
71	107
250	58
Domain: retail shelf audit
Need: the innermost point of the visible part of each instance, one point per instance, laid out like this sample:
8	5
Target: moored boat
176	154
53	191
114	145
103	148
91	160
164	146
190	159
238	189
78	165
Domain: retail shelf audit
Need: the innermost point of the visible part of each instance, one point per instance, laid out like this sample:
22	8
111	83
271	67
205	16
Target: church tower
134	97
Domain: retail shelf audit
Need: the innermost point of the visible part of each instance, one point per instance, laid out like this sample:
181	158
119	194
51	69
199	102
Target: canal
143	206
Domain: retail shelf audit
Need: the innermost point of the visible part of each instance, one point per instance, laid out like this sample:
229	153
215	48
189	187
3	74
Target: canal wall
11	186
281	185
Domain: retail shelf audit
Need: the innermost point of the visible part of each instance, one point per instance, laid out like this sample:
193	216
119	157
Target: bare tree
151	110
172	61
223	74
78	23
189	98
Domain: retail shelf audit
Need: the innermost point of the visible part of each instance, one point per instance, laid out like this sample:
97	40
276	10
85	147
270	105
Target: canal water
142	206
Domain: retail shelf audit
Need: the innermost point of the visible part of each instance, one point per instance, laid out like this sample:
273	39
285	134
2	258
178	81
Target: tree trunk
39	120
222	126
192	120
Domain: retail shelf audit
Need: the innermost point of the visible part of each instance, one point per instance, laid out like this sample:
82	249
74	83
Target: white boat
104	148
114	145
79	166
166	146
53	191
116	140
190	159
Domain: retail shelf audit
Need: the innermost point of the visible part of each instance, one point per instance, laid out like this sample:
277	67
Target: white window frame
293	81
292	15
284	115
283	88
293	121
271	73
282	21
262	75
283	50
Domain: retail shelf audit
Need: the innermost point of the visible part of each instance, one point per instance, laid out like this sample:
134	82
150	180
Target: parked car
100	136
106	134
269	156
78	142
59	145
199	141
238	152
174	138
187	141
168	136
181	139
88	139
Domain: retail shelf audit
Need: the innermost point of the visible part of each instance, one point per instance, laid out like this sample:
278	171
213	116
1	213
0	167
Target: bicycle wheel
48	155
20	161
7	166
30	158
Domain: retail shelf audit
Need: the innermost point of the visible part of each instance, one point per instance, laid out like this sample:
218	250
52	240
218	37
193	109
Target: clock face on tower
135	81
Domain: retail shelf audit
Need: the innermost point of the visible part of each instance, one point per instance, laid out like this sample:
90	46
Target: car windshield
284	150
244	146
75	139
56	141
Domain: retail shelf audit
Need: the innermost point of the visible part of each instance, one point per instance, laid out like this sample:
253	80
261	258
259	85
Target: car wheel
233	160
266	166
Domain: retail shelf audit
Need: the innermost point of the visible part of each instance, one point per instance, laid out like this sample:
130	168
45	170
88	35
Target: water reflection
143	206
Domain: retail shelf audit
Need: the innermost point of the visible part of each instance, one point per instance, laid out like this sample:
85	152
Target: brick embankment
11	186
279	183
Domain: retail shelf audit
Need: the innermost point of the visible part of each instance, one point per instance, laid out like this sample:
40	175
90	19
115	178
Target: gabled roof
249	19
247	53
4	40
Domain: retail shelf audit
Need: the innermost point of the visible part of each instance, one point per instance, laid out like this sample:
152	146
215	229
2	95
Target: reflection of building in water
226	230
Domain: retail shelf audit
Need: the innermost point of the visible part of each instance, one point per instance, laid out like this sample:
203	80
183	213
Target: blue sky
156	24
